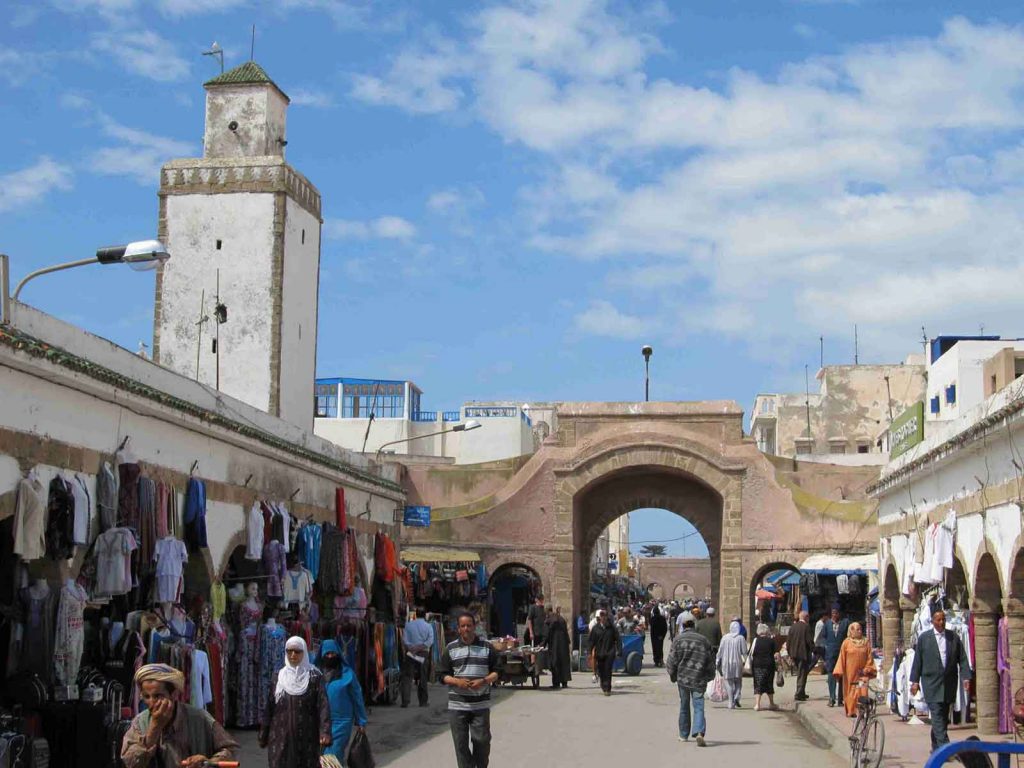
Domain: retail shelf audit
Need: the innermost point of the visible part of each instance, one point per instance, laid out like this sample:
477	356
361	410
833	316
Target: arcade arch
513	588
684	591
773	578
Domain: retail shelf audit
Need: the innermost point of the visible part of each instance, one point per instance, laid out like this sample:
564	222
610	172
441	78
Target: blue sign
417	516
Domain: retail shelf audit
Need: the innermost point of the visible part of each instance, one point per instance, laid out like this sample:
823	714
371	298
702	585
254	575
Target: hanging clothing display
170	556
83	510
113	551
310	541
248	675
272	642
298	585
128	496
909	564
30	519
106	497
39	608
195	514
274	567
254	530
60	520
339	508
218	599
69	635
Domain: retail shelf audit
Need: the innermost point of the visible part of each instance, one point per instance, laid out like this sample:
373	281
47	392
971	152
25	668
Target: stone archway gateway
606	459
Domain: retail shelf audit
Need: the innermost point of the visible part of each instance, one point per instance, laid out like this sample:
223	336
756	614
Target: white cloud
31	184
311	97
382	228
601	318
454	200
142	52
179	8
19	68
140	154
810	198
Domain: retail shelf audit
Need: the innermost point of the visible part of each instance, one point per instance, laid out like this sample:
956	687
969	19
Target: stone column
1015	618
730	586
907	612
986	683
891	620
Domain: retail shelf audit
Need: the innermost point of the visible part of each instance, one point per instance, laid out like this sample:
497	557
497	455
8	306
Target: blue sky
517	195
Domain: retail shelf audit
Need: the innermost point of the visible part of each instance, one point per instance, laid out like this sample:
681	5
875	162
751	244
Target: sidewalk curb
823	731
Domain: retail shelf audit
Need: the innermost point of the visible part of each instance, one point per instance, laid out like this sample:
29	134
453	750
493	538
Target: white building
964	473
244	230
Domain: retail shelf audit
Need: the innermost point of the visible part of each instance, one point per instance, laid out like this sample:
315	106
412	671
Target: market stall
445	581
827	580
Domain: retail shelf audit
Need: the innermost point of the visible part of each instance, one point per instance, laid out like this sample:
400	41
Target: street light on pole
140	256
647	351
468	426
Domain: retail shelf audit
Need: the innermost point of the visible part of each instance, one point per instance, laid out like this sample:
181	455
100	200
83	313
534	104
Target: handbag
780	678
747	668
359	754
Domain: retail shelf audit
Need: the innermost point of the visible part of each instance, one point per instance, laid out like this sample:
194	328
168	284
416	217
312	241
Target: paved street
578	726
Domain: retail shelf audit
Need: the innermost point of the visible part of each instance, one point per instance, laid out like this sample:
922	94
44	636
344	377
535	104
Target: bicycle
867	742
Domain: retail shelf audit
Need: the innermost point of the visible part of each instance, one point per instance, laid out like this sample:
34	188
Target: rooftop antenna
821	352
218	52
856	346
924	343
807	400
252	45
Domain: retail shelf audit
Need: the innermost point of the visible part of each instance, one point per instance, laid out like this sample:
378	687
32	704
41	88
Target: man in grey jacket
691	666
939	660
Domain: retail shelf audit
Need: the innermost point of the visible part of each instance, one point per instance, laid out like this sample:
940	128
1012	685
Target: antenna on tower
821	351
218	52
203	319
252	45
856	346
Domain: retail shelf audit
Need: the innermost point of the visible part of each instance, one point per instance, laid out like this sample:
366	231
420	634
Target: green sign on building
907	430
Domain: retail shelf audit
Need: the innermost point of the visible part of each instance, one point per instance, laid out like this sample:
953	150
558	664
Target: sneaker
683	739
700	740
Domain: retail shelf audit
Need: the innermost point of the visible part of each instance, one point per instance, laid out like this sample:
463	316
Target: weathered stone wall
671	572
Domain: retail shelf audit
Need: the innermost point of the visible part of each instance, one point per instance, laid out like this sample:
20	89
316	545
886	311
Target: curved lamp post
469	425
140	256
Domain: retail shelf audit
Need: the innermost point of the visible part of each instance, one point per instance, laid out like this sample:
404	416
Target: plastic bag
716	689
359	754
780	678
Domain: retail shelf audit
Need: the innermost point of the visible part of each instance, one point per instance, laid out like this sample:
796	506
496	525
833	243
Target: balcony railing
451	416
425	416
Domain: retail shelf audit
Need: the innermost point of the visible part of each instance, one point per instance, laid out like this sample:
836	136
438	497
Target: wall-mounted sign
613	562
907	430
417	517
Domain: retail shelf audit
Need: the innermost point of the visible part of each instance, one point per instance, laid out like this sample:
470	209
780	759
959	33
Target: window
327	401
804	446
951	394
934	404
863	448
218	245
383	400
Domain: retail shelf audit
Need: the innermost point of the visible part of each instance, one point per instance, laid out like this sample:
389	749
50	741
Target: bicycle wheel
855	745
872	744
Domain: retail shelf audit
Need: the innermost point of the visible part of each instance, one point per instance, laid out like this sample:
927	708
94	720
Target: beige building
842	422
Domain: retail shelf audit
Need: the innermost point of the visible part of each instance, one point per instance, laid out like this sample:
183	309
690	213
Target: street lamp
140	256
647	351
469	425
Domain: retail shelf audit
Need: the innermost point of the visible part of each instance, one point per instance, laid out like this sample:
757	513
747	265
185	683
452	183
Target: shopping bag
780	678
359	755
329	761
747	668
716	689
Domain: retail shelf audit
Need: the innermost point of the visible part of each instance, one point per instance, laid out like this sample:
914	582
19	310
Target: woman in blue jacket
345	696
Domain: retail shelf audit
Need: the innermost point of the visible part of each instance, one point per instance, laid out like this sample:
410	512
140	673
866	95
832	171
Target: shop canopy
438	555
834	564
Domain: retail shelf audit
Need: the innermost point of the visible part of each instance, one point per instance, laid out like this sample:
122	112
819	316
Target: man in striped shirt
469	667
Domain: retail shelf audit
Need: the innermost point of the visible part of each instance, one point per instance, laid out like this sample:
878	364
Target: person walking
344	698
743	629
606	644
732	654
418	639
832	637
691	666
171	733
659	628
469	667
582	628
855	662
819	640
535	618
297	721
710	629
559	653
939	659
764	655
801	650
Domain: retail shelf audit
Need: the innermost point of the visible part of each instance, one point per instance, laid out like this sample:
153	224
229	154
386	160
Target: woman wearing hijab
298	720
732	653
559	653
345	698
763	657
855	662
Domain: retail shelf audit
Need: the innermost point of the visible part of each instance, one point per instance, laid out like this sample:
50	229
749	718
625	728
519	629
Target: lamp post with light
647	351
468	426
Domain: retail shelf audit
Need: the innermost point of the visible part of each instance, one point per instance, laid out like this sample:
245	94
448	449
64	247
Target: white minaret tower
243	212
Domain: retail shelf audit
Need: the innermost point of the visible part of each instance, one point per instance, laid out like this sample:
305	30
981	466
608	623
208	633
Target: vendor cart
630	661
517	665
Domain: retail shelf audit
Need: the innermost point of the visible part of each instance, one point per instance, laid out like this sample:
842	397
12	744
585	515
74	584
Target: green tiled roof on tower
249	72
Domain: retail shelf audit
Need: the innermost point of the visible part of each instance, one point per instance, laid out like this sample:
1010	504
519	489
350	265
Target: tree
652	550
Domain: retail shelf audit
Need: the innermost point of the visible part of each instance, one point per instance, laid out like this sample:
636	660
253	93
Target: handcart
517	665
631	660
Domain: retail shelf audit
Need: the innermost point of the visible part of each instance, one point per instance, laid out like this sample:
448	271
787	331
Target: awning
840	563
438	555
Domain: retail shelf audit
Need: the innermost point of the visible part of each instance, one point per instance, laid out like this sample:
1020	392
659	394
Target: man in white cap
710	629
170	733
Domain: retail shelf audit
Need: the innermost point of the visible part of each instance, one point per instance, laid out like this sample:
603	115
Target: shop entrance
513	588
775	594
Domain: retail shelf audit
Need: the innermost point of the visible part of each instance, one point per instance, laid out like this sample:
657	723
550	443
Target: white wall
244	225
299	314
962	365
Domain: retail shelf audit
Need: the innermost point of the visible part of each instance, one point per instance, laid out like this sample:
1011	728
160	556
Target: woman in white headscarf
298	718
732	655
